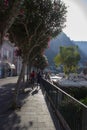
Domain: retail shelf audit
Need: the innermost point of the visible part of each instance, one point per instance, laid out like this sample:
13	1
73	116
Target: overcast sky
76	25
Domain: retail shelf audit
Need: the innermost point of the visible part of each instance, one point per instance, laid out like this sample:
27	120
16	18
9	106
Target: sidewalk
33	115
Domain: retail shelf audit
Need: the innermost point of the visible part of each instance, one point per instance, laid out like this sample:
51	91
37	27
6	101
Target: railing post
84	119
71	113
56	99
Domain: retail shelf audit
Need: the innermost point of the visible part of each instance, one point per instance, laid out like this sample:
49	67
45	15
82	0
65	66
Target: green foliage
84	101
71	112
69	58
78	93
37	21
5	7
43	12
40	62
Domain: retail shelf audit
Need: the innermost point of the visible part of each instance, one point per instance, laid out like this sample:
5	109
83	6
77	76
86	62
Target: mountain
62	40
53	50
82	46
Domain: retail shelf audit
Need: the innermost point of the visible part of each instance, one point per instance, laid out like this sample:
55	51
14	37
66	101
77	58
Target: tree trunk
1	37
29	67
15	104
24	78
27	73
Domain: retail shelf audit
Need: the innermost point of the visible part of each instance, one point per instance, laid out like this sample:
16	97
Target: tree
9	9
69	58
38	21
40	62
32	28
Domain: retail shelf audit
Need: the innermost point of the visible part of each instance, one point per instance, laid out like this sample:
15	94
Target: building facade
10	64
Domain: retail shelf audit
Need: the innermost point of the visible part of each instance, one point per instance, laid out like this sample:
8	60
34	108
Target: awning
12	66
8	64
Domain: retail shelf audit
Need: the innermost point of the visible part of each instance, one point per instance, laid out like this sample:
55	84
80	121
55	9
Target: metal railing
71	113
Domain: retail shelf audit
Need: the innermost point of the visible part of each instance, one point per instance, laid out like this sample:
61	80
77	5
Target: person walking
38	78
32	78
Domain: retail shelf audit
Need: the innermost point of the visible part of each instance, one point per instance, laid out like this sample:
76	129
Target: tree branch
12	15
26	29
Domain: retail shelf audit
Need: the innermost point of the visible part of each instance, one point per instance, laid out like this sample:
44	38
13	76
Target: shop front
6	69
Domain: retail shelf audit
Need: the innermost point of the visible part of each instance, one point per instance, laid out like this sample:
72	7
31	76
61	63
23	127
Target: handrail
66	93
72	111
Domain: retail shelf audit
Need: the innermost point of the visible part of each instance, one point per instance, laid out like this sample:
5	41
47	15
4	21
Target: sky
76	24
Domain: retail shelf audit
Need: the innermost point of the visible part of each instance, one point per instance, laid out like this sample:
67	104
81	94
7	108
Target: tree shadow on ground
35	91
9	119
7	96
12	121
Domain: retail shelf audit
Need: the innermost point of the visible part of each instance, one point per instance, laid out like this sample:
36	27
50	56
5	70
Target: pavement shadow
13	121
35	92
7	96
9	119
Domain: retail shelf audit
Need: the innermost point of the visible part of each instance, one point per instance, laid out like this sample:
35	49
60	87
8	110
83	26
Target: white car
55	78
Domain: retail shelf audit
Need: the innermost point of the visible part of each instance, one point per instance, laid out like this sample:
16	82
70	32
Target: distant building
10	64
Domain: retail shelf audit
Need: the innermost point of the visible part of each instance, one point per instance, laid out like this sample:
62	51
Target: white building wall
7	53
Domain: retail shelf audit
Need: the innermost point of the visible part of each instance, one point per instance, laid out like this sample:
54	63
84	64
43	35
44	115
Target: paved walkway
33	115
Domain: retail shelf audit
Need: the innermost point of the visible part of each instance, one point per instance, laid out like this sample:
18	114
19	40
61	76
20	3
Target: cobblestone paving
33	115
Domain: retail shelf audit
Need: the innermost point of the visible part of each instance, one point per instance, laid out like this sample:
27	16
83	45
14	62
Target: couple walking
35	77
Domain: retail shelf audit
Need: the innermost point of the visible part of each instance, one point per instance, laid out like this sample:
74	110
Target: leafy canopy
69	58
40	62
39	19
